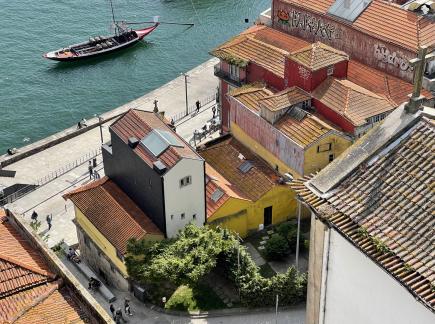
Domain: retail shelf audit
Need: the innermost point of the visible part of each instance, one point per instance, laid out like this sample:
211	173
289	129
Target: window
306	104
324	147
183	216
331	157
186	181
377	118
194	216
234	72
119	255
330	70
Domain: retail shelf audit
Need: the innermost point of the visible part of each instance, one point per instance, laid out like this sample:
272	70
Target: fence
204	102
49	177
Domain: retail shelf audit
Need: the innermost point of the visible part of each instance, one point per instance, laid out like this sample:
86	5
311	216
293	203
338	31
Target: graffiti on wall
383	54
309	23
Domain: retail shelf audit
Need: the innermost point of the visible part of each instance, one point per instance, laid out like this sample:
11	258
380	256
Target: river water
40	97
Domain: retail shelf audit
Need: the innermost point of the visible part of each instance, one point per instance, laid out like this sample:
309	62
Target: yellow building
282	129
106	218
242	190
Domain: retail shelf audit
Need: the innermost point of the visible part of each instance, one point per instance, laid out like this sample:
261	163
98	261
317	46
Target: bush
284	228
182	299
276	247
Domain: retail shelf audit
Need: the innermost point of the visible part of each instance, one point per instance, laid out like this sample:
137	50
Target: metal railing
49	177
192	109
233	79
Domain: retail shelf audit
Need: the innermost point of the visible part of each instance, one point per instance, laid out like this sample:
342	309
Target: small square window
185	181
194	216
183	216
330	70
331	157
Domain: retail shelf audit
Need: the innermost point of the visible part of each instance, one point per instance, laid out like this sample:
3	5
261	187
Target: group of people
49	218
72	255
94	284
117	314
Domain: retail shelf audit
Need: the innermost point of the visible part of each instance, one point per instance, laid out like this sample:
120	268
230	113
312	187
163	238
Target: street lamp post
100	120
298	235
185	89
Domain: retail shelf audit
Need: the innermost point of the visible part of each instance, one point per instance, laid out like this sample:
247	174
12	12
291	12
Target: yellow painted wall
281	198
315	161
261	151
105	246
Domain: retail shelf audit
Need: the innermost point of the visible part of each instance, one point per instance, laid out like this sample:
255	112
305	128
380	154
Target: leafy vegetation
197	251
276	247
190	299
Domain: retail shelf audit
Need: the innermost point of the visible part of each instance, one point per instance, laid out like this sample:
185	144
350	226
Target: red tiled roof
101	201
215	181
223	156
26	284
318	56
138	123
319	6
262	46
386	208
355	103
380	83
284	99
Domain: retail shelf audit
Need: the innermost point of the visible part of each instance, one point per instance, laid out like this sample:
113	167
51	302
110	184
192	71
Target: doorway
267	216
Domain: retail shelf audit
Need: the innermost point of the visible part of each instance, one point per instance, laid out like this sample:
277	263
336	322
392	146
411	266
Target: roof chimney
133	142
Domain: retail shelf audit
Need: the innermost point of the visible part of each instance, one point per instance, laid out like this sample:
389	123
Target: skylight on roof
158	140
245	166
348	9
216	195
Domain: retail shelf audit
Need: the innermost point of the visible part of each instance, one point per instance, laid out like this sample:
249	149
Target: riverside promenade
59	163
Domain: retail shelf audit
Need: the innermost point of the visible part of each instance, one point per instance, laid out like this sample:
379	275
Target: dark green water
40	97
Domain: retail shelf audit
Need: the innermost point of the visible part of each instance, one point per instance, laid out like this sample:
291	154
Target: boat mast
113	17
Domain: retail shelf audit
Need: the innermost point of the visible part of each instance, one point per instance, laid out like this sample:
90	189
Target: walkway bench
104	291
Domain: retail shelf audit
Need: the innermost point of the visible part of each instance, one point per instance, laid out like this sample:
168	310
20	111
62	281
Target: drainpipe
326	244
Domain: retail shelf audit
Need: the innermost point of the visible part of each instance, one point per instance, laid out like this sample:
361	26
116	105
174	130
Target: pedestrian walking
91	170
34	216
127	307
112	310
198	105
49	218
214	111
96	175
118	316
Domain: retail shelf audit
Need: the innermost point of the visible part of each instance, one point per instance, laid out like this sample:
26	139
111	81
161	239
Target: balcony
236	81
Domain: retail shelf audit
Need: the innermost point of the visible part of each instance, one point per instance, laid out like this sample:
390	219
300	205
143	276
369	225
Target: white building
157	169
373	228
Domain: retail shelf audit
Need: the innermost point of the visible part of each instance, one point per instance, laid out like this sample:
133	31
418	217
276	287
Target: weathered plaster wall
365	48
360	292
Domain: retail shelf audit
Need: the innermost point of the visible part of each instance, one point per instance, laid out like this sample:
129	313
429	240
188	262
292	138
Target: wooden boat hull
84	50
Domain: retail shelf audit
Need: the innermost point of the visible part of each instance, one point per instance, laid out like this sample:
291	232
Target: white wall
358	291
189	199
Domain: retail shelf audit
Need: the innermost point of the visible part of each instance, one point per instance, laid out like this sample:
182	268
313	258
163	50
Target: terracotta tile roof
262	46
304	131
215	181
387	22
284	99
250	95
386	208
26	284
138	123
391	23
319	6
101	201
318	56
380	83
223	156
355	103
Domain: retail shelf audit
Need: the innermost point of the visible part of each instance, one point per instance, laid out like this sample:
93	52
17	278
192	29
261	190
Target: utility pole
185	88
100	121
298	235
276	309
